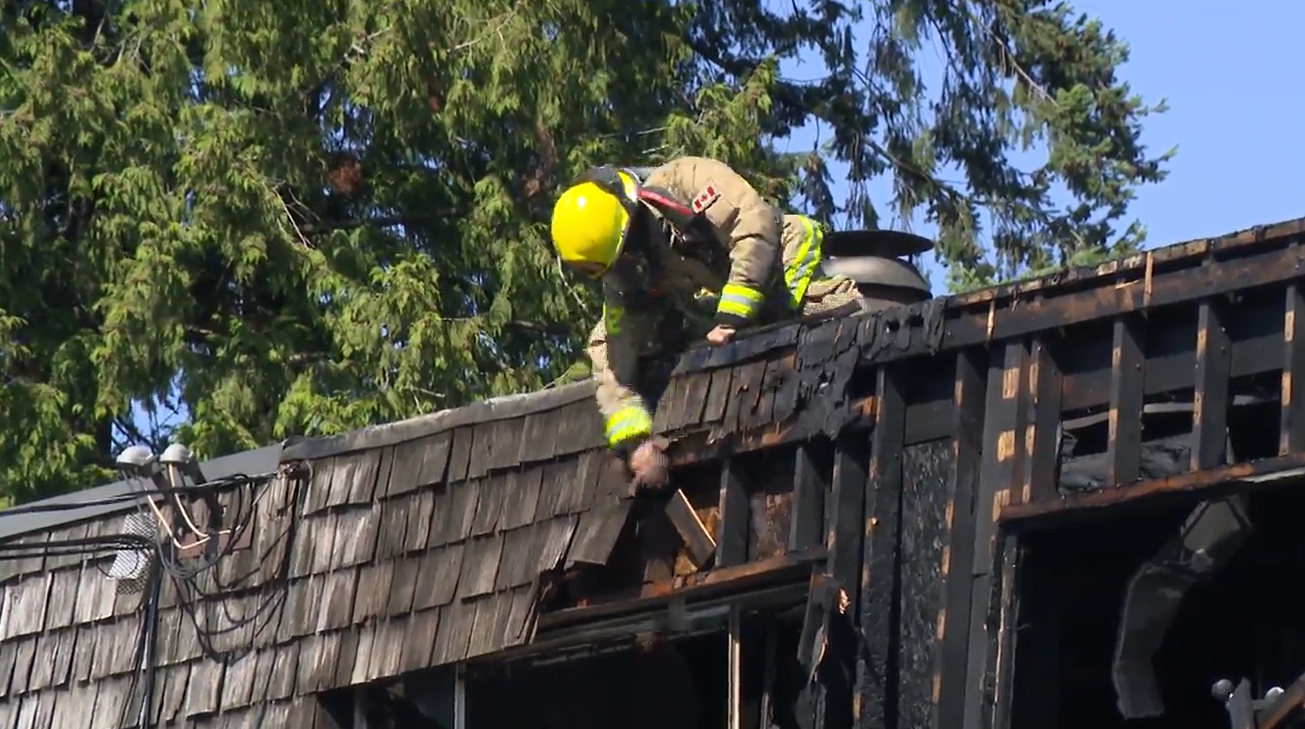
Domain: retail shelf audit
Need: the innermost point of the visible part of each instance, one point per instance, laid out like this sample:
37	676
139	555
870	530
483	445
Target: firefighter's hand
720	335
649	464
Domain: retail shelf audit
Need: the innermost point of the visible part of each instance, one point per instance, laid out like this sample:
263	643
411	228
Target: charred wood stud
1042	434
735	508
879	597
811	471
1210	397
954	620
1123	450
1292	429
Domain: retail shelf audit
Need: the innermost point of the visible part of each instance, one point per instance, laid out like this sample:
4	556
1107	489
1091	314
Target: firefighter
684	251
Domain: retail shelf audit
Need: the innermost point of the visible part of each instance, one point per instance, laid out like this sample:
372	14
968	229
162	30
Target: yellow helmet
591	220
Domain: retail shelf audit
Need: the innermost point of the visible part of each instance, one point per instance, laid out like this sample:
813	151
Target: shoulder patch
704	199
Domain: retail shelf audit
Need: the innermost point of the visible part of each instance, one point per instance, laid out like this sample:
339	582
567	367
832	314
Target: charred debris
1060	503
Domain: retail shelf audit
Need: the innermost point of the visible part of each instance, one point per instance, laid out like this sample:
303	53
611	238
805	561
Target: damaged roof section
451	530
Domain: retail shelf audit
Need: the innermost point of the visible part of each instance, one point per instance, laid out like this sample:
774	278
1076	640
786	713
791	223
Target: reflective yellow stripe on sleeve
740	300
631	421
798	273
612	316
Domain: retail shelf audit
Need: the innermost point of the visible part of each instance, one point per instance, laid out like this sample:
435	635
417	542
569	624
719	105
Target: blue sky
1232	75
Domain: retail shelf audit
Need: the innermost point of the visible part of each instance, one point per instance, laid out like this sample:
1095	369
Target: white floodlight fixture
180	461
137	459
138	464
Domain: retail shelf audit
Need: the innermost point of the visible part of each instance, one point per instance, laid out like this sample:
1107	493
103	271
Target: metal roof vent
871	258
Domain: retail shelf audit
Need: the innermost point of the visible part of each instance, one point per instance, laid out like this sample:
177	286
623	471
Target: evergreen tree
302	217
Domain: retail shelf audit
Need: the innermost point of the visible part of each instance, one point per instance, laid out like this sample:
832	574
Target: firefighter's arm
752	227
627	421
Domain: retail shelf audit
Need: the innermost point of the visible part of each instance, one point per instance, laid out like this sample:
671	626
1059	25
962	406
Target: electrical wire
247	494
272	590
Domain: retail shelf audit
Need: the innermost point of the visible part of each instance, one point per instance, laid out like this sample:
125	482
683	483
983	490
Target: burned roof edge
18	522
1079	275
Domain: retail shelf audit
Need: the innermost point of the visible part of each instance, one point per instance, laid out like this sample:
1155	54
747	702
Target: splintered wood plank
1210	398
554	538
696	537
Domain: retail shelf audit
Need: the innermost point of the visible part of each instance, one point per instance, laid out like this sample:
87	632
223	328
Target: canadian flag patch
705	198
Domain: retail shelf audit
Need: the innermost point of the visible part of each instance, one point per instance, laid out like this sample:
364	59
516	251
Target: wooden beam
812	470
846	528
1258	353
734	671
953	619
734	517
460	697
1287	706
880	593
1291	438
1042	439
999	476
1206	484
1037	671
768	673
692	530
1124	449
1103	301
1001	658
696	586
1210	397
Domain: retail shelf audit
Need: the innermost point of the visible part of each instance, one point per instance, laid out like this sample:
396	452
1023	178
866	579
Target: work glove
650	465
